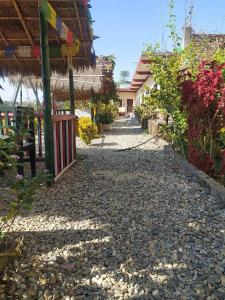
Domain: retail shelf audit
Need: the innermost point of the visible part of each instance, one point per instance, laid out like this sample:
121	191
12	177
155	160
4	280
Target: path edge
209	184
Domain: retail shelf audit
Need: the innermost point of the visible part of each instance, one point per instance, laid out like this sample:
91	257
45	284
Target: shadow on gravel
150	240
104	144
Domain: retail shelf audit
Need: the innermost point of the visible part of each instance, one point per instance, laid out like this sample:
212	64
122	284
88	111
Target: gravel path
121	225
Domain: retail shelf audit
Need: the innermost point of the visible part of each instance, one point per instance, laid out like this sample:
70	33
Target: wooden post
17	91
72	103
72	100
21	95
45	64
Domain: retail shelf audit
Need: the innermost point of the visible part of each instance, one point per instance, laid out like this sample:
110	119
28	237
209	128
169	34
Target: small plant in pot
106	119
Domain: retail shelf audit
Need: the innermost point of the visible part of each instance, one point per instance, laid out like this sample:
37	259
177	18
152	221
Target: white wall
150	83
127	95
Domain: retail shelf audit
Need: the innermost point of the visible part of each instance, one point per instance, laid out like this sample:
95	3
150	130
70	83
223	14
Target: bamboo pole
45	64
71	84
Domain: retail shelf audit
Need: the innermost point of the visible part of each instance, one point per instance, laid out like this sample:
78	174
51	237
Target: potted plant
106	119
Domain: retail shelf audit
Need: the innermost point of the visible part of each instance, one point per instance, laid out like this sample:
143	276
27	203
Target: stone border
209	184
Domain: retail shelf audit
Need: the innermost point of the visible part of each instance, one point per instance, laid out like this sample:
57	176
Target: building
127	100
133	95
211	41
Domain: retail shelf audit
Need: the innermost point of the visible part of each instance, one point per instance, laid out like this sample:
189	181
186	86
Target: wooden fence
64	142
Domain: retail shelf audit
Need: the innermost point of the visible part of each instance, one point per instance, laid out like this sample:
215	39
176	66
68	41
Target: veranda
39	38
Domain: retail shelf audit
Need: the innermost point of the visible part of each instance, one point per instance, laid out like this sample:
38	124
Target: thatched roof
86	82
19	26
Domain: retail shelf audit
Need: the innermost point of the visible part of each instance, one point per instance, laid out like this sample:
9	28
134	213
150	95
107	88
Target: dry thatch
98	80
92	80
19	26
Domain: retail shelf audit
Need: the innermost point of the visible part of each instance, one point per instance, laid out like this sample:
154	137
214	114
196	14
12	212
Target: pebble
120	225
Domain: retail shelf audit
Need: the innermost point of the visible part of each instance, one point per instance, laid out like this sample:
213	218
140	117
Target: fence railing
39	123
63	133
62	112
20	118
7	118
64	142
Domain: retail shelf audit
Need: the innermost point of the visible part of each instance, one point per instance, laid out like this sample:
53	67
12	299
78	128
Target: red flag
36	51
85	3
70	38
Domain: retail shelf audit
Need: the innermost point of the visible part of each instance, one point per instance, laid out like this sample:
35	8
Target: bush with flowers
17	194
203	98
87	130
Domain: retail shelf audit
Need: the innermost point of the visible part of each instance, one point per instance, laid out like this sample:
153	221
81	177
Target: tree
124	76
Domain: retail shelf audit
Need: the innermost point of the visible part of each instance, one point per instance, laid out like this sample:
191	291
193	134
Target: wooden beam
24	25
145	61
36	18
80	27
7	44
139	80
84	43
33	58
23	22
143	73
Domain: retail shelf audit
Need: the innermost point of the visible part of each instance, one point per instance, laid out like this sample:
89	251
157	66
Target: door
129	105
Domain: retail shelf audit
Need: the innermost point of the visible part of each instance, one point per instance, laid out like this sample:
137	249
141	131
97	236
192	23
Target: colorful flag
85	3
77	45
59	25
9	51
70	51
55	52
36	51
52	16
64	32
69	38
89	16
23	51
56	22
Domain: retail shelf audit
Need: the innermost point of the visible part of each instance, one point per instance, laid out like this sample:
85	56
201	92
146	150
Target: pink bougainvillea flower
19	177
15	157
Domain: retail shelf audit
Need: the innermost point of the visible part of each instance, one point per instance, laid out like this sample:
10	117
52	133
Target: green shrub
87	130
105	118
20	190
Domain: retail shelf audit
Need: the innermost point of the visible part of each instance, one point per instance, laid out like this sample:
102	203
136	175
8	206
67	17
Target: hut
97	80
20	36
37	38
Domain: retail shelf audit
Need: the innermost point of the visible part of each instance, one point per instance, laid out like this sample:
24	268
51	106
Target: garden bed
208	183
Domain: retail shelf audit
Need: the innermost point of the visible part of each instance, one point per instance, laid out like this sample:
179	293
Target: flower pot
106	127
100	128
144	123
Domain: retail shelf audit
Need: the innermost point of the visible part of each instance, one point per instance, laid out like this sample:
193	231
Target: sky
125	27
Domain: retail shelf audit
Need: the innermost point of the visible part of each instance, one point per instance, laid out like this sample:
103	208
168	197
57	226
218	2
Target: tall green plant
173	35
20	193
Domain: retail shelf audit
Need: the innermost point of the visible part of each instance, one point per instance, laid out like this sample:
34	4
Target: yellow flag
71	51
77	45
52	16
